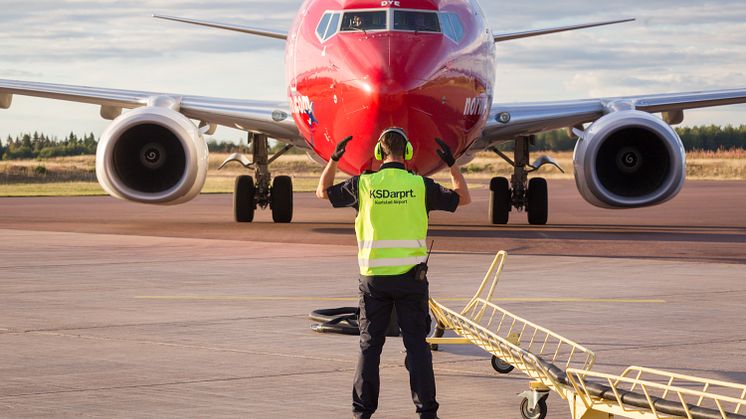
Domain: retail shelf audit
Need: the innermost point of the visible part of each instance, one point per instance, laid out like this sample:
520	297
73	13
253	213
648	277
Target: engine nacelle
152	155
629	159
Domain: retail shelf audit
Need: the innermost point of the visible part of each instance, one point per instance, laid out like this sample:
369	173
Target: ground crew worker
391	226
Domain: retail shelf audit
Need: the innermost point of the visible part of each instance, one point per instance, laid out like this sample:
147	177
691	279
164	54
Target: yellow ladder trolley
557	364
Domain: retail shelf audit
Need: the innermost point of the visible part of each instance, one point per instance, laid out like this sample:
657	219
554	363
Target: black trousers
379	296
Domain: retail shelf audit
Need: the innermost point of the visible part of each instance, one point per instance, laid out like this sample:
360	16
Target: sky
676	45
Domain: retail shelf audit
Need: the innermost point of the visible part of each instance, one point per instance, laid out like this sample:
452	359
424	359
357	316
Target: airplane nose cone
381	91
385	82
389	92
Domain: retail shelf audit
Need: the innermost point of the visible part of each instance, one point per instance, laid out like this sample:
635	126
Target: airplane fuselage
427	66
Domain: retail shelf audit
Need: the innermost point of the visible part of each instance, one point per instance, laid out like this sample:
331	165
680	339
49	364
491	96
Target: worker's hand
341	148
445	153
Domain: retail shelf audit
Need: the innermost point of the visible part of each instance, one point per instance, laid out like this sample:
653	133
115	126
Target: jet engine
152	155
629	159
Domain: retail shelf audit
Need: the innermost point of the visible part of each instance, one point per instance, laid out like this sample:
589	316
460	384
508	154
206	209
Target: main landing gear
265	192
519	192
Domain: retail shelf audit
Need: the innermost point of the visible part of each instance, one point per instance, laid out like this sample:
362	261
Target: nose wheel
250	194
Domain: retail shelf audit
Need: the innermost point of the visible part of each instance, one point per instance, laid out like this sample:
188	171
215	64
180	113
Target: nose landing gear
519	192
266	192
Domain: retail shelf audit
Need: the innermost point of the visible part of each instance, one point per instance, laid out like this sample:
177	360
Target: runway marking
351	299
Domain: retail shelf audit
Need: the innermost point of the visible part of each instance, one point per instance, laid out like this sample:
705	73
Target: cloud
87	30
676	45
10	72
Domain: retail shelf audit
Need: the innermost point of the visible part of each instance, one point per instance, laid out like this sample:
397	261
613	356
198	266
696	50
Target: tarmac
110	309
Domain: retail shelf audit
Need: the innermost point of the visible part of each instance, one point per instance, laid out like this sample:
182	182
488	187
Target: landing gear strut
519	192
265	192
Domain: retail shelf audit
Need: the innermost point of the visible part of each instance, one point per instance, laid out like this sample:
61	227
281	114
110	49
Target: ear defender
379	151
408	152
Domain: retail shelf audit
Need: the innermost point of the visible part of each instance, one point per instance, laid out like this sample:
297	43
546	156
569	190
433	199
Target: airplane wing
508	121
502	37
236	28
270	118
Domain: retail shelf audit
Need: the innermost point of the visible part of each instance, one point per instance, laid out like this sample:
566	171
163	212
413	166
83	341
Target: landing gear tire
501	366
499	210
538	201
244	204
539	412
281	199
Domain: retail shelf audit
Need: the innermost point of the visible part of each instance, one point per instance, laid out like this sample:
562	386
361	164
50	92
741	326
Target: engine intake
629	159
152	155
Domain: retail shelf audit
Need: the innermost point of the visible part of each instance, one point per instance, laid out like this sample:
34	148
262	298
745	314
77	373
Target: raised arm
460	186
327	177
457	178
326	180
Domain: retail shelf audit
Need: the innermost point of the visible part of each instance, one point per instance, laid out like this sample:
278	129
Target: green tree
26	141
40	145
90	143
705	137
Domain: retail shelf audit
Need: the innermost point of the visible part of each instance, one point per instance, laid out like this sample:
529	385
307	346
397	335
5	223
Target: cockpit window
452	27
328	26
332	22
333	26
323	25
416	21
364	21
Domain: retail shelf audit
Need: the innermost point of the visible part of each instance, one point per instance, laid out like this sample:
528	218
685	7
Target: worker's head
393	144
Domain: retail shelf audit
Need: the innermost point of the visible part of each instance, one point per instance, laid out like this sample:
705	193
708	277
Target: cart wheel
438	333
501	366
540	412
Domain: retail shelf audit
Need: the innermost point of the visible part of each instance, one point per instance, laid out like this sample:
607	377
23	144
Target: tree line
41	146
704	137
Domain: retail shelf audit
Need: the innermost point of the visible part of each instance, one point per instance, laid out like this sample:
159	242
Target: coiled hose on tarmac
341	320
344	321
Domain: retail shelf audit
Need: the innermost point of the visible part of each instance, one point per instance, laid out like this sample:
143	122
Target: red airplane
357	67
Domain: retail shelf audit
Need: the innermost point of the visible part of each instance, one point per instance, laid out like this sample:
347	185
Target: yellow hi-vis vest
391	223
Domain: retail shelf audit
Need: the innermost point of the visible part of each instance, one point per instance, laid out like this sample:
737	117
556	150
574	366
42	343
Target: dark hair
394	144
